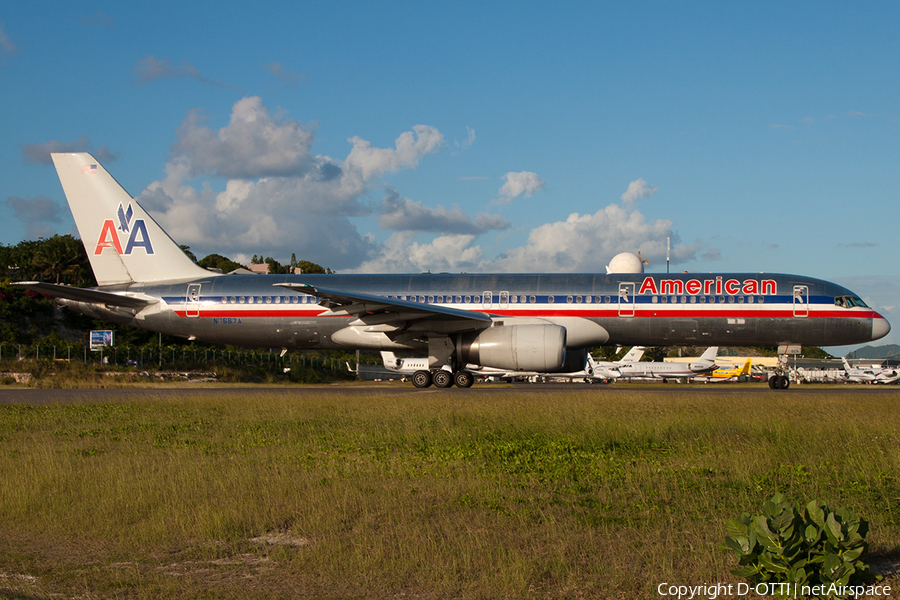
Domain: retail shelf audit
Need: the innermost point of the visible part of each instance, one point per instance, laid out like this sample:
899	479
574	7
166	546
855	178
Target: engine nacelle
540	348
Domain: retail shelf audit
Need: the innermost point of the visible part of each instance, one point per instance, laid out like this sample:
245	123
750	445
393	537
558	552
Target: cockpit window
849	302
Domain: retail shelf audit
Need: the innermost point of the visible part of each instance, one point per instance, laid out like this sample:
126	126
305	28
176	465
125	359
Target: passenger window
532	299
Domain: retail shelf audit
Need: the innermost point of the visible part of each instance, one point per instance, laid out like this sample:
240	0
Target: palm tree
62	256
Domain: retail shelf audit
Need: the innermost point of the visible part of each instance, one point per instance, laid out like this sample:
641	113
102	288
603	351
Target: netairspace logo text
789	590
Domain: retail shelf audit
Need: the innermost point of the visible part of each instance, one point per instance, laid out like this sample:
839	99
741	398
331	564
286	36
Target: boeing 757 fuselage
522	322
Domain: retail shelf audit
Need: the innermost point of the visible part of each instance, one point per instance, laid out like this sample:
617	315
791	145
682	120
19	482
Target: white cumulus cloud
280	197
403	214
580	243
517	184
638	189
410	147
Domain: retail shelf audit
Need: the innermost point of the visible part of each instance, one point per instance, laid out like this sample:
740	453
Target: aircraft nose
880	328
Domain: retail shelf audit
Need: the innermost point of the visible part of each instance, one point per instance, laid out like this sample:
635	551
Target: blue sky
506	136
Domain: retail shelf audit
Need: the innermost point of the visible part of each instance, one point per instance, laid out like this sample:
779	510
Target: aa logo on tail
135	231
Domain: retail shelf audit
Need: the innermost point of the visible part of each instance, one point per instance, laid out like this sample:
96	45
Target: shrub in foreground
809	546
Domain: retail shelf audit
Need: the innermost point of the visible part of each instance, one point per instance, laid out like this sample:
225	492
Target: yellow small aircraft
723	374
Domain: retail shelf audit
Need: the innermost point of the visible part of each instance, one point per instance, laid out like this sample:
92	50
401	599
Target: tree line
62	259
27	317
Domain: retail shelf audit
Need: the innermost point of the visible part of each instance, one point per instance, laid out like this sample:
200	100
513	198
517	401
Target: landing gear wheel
779	382
421	379
442	379
464	379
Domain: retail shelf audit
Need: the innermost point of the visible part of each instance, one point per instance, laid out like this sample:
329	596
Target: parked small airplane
726	373
670	370
593	370
605	370
519	322
872	375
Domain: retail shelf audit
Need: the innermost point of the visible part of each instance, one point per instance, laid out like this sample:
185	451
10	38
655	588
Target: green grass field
565	494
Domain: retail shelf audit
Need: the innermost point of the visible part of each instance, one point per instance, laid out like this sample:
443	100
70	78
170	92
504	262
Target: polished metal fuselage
630	309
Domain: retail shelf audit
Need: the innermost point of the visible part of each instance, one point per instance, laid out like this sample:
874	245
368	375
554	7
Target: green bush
809	546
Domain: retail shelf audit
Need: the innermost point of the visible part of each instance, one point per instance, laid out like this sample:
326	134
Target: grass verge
465	495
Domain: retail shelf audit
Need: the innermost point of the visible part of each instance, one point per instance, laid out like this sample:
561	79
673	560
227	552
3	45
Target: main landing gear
442	379
779	382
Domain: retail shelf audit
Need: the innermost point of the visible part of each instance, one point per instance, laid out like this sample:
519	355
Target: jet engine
539	348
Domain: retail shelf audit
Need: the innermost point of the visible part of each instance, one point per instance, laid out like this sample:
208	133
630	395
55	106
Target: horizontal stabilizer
87	295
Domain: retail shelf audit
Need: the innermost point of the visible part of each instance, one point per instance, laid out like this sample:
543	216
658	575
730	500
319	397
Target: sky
473	137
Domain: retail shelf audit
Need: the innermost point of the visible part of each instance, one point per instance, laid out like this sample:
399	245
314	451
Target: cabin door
504	299
801	301
192	300
626	299
487	300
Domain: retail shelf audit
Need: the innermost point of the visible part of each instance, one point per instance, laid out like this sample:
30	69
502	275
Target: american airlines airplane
519	322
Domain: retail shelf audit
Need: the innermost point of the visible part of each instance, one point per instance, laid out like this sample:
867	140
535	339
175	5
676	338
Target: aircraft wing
88	295
366	305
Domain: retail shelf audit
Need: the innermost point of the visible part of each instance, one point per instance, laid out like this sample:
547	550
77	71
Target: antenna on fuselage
668	251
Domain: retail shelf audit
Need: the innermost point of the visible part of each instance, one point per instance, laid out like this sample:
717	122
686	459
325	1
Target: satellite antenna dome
625	262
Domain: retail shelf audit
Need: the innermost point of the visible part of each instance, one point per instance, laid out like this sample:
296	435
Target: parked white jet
666	370
599	369
873	375
593	370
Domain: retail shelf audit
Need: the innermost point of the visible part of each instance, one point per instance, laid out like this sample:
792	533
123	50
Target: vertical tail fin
389	360
710	354
633	355
123	242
